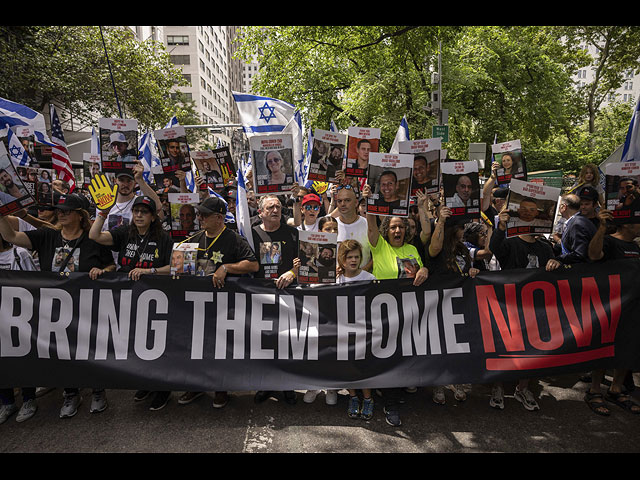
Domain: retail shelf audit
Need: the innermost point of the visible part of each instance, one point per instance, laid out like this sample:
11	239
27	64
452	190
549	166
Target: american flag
59	153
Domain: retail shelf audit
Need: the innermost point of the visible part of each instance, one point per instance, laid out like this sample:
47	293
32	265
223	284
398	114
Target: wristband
225	268
294	275
153	270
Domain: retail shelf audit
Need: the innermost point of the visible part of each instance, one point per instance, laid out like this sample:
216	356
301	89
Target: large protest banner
161	333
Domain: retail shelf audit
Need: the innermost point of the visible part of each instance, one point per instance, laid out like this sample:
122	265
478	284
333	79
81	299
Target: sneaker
525	397
220	399
141	395
6	411
188	397
160	400
331	398
438	395
458	393
40	391
28	410
262	396
70	405
392	416
367	409
98	402
411	389
497	397
290	397
310	396
353	411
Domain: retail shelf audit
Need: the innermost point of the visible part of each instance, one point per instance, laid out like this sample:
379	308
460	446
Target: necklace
206	252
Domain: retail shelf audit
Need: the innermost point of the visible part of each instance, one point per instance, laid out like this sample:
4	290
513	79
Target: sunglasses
348	187
312	207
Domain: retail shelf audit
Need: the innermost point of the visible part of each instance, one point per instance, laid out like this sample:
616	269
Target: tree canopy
502	82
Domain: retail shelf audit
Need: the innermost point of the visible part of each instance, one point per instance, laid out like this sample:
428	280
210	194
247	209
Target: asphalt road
564	424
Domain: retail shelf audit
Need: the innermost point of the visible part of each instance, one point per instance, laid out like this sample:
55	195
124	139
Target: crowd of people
132	237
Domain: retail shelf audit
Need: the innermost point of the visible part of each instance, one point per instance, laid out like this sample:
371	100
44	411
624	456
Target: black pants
7	395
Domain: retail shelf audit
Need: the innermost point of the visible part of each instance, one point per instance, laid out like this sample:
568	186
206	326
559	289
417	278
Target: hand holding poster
327	155
272	163
426	164
461	189
512	163
118	144
622	192
14	195
317	254
531	207
361	142
389	176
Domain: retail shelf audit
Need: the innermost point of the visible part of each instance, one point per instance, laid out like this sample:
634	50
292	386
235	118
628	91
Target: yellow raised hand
103	193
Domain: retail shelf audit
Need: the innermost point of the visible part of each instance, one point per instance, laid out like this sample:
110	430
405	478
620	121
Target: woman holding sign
144	248
67	248
394	258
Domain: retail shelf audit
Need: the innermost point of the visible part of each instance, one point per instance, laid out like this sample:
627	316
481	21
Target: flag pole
110	73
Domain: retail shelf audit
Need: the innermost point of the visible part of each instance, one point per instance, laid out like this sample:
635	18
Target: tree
67	65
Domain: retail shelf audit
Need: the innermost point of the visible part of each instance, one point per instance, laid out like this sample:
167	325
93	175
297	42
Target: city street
563	425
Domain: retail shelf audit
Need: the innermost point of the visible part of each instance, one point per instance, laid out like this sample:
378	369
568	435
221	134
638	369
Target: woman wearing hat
67	248
143	248
307	219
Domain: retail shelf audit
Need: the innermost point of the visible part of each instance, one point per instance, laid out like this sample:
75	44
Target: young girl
349	257
326	224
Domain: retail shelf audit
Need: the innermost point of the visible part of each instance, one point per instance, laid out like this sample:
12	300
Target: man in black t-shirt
221	252
280	264
603	247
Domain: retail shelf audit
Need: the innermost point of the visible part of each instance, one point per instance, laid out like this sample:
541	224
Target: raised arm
10	235
597	242
435	247
372	222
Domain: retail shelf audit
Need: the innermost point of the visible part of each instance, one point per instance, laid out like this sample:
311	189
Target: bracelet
225	268
292	272
153	270
100	214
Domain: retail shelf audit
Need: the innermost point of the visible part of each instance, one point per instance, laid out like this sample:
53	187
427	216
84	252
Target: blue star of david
15	151
262	114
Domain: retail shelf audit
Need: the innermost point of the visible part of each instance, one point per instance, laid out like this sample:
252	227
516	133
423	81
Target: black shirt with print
135	251
229	247
283	241
51	250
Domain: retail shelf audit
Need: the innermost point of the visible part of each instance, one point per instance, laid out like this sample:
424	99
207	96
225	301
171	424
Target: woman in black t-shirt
67	248
144	248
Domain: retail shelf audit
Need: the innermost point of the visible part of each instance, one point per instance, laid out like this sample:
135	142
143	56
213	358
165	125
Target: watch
154	270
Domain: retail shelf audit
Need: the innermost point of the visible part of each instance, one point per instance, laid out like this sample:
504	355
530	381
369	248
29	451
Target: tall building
205	55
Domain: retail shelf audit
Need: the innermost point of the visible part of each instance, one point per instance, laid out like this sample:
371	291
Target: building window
180	59
177	39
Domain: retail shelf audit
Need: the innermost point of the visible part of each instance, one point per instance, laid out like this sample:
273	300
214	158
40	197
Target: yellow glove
104	195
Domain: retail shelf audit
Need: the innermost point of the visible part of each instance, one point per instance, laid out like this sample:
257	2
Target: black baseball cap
212	205
500	192
589	193
146	201
70	201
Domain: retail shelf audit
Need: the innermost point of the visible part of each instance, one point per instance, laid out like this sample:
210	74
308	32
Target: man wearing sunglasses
311	205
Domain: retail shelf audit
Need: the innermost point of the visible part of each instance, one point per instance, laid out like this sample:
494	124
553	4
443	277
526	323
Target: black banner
181	334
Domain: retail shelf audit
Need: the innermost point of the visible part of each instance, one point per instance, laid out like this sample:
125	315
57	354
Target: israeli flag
263	114
308	183
631	149
14	114
401	136
243	220
147	157
173	122
18	154
228	218
95	142
294	127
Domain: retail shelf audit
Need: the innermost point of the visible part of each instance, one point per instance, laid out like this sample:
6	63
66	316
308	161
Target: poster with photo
184	219
532	208
118	144
91	166
389	176
27	138
512	163
215	167
272	163
44	186
183	259
426	164
14	195
461	187
622	195
317	252
173	149
327	155
29	177
361	143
